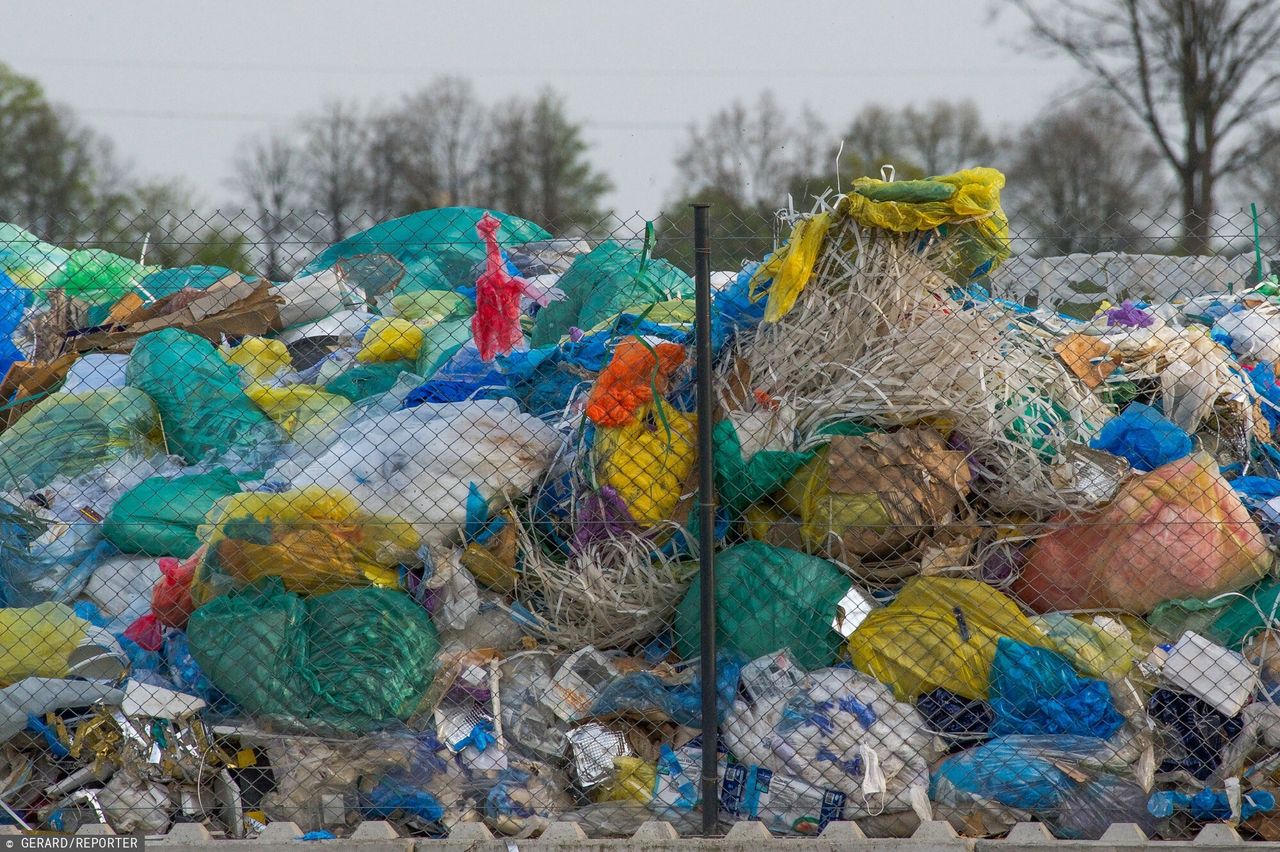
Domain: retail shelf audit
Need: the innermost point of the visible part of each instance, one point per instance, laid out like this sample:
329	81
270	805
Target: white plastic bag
419	464
839	730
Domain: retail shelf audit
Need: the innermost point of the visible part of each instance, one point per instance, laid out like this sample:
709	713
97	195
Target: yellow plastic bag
316	540
259	358
36	641
791	267
939	632
431	305
390	340
634	781
972	209
648	460
304	411
1101	648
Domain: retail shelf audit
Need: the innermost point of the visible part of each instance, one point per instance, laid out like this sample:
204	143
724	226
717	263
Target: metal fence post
706	513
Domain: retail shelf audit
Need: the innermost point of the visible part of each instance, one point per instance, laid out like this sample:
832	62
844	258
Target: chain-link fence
408	526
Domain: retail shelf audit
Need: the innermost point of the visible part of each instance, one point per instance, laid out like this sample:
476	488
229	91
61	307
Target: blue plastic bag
1144	437
1009	770
1209	805
643	691
732	310
1036	691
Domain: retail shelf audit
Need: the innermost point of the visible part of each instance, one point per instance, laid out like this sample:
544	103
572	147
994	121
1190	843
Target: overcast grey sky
177	85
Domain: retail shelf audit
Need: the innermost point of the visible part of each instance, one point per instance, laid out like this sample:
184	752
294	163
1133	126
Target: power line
191	115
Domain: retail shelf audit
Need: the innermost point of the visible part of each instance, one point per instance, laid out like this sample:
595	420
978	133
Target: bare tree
752	154
334	162
1084	180
1197	74
268	174
536	165
944	137
938	138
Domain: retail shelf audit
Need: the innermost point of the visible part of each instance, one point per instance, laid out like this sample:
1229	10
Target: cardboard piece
231	306
28	382
919	480
1079	352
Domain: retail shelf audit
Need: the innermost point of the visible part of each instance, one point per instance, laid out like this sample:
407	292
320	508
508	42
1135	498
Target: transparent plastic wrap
70	434
1077	785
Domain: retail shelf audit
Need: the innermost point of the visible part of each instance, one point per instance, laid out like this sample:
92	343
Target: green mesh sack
365	380
352	660
96	277
609	280
70	434
768	598
159	516
439	248
201	403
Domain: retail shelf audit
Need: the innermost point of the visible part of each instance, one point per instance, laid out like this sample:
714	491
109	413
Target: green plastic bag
609	280
768	598
159	516
440	343
1229	620
741	482
202	406
27	259
70	434
351	660
439	248
365	380
97	277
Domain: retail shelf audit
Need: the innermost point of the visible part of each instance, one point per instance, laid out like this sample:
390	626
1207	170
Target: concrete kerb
744	837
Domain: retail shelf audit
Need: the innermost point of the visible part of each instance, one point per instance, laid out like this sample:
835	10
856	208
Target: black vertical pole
706	513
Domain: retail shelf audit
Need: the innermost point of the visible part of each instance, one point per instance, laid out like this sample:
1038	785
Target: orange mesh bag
637	370
1179	531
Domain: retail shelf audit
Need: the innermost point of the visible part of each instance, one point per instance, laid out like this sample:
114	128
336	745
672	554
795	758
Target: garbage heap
413	537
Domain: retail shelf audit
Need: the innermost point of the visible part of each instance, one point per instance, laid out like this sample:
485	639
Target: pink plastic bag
495	326
1179	531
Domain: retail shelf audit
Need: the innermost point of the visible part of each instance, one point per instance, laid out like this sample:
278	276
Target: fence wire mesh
404	526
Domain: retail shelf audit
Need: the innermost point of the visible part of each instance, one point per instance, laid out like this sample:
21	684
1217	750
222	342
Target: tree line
1172	121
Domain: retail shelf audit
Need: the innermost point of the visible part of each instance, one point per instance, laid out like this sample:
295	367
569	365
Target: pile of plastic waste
413	536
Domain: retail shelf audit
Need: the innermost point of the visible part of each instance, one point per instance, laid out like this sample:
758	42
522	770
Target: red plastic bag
146	632
495	326
171	598
1179	531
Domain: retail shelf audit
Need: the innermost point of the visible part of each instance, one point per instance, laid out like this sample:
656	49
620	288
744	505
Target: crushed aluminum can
1093	474
771	677
593	748
454	723
576	684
